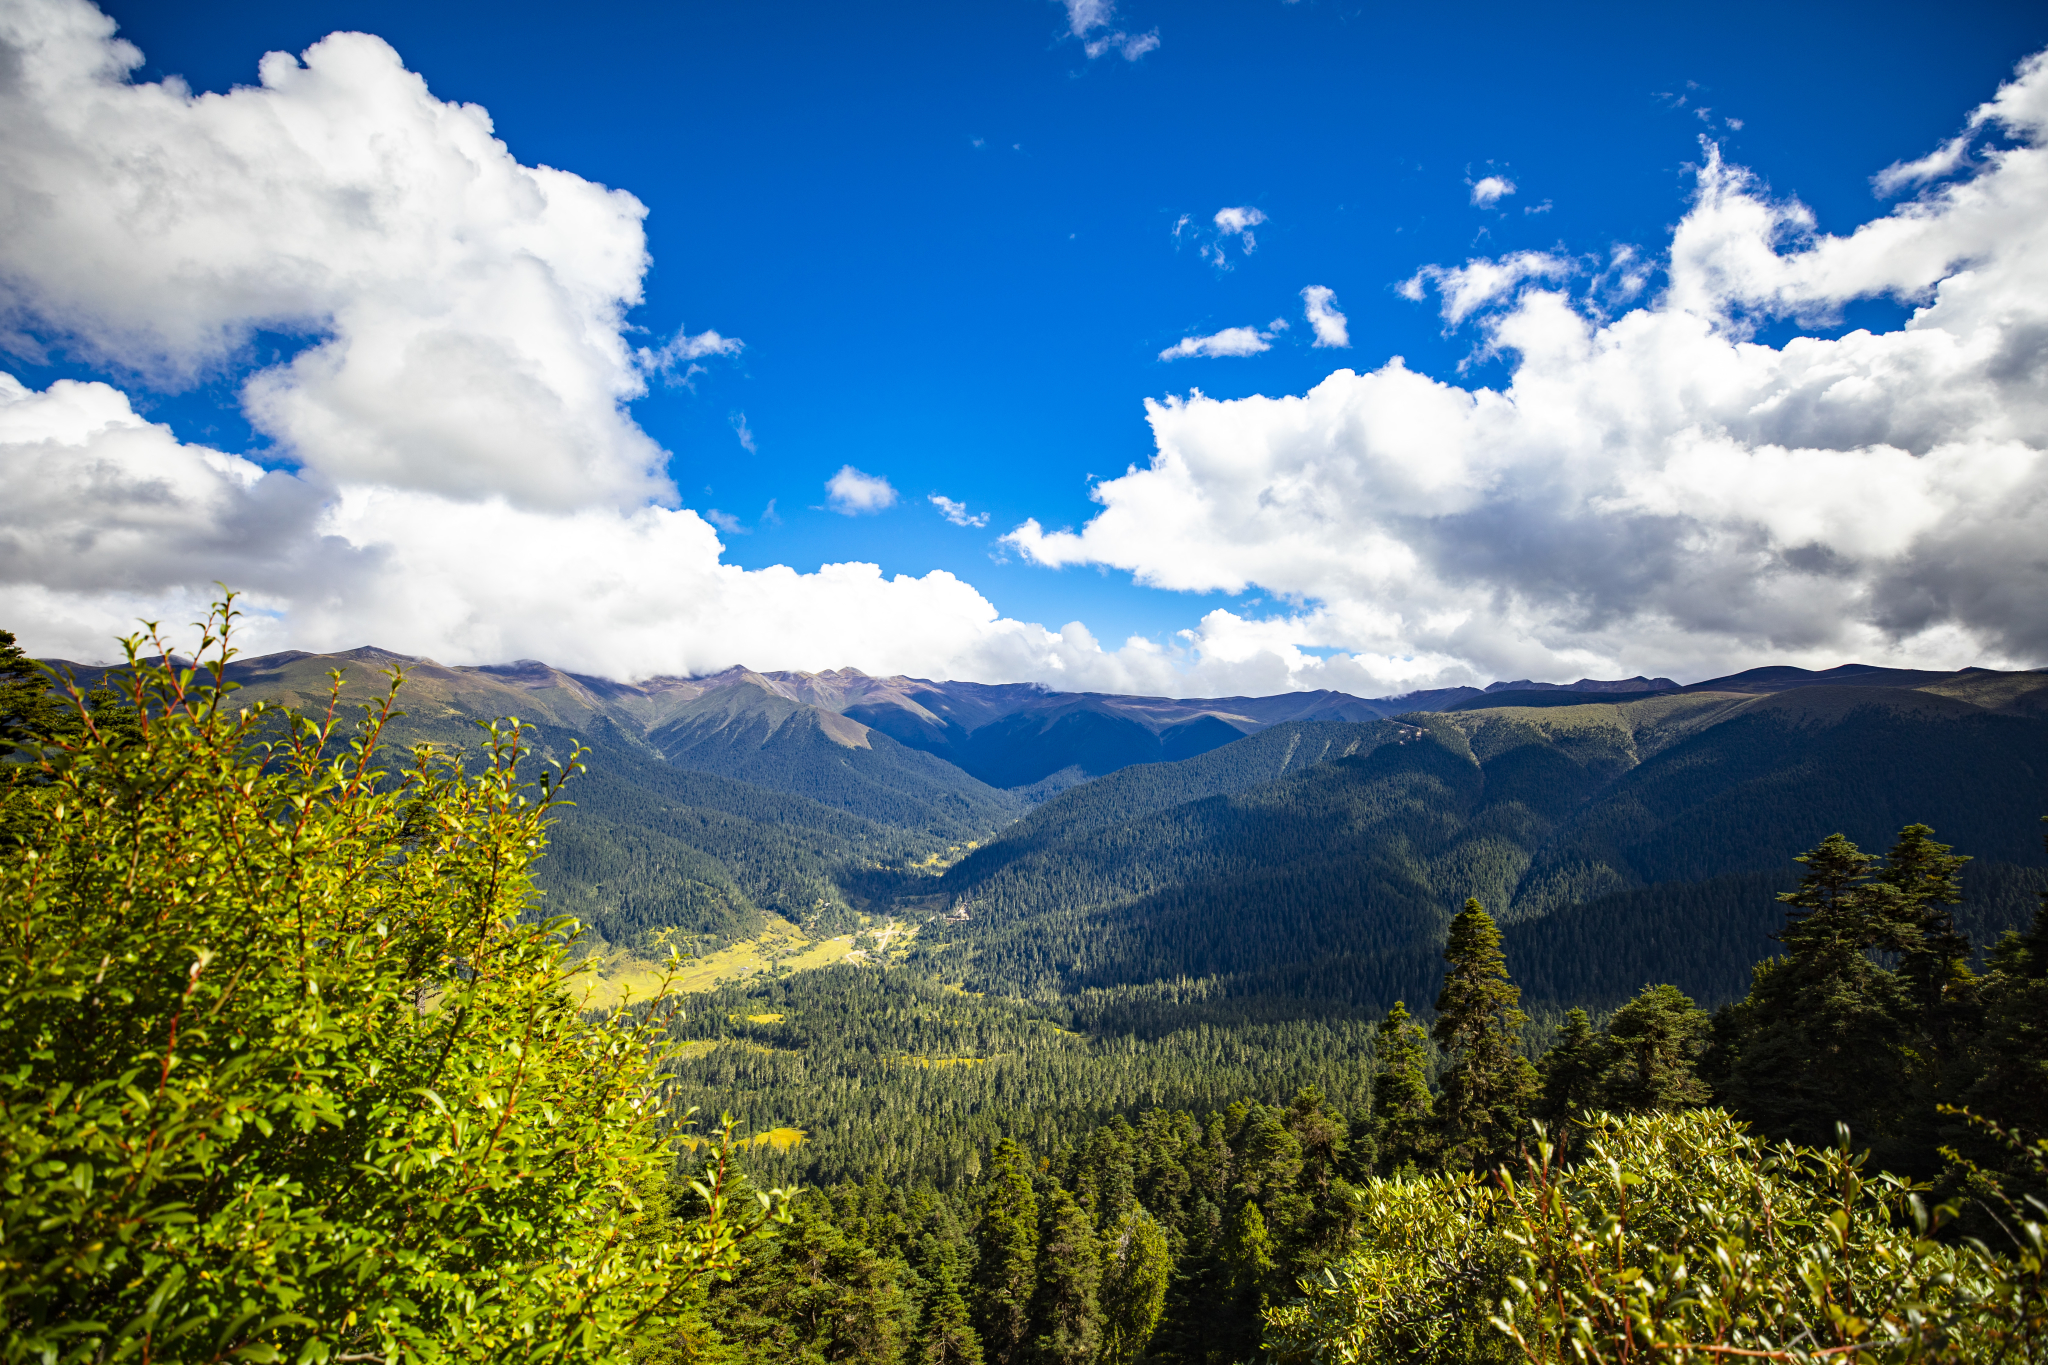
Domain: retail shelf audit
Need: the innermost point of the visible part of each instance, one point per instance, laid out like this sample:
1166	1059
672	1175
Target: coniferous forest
1193	1062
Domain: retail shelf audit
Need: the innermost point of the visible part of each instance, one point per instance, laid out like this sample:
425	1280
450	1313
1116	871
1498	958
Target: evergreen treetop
1486	1085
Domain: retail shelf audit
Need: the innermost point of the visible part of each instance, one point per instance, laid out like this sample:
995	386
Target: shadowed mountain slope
1620	842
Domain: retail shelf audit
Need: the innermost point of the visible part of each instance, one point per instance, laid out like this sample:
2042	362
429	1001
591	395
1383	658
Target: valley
1300	854
1209	993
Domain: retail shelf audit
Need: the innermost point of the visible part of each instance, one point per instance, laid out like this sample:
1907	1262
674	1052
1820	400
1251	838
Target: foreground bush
288	1074
1672	1237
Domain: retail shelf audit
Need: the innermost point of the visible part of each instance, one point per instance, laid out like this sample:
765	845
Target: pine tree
821	1292
947	1337
1487	1085
1136	1265
1006	1271
1830	906
1247	1266
1935	954
1066	1316
2010	1053
28	708
1822	1036
1402	1122
1568	1075
1653	1047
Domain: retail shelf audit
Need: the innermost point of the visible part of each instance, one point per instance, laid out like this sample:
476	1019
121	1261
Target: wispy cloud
743	431
1943	160
1235	221
852	493
956	512
1094	23
726	522
1467	288
1239	222
676	360
1320	307
1228	342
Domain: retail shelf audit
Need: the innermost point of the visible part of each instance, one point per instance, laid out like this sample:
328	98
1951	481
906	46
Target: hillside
1620	841
712	845
755	735
1301	847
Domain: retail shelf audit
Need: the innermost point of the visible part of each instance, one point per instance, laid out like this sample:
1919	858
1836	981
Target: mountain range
1303	848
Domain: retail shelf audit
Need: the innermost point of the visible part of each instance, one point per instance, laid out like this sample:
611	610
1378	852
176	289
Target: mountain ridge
1018	736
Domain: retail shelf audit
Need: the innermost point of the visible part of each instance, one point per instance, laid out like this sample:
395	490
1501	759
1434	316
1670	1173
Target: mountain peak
1639	683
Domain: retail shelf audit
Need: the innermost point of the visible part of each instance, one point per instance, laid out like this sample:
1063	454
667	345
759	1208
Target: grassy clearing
615	975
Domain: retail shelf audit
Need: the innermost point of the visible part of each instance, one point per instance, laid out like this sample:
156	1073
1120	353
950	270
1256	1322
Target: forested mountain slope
1297	845
1621	841
748	732
705	849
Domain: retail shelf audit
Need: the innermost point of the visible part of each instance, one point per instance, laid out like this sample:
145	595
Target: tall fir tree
1934	954
1066	1314
1137	1262
1653	1047
821	1292
947	1335
29	709
1486	1085
1402	1125
1006	1269
32	716
1568	1075
1246	1263
1822	1038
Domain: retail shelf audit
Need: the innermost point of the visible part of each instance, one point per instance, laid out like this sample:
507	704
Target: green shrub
288	1071
1672	1237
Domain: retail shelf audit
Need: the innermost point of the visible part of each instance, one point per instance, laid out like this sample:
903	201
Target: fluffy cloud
1655	491
459	475
1320	307
1490	190
453	298
1239	222
110	519
1230	341
851	493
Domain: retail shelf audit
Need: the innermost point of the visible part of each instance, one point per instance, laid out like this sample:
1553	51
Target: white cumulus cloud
1320	307
1490	190
455	298
1654	491
851	493
453	469
459	476
1465	289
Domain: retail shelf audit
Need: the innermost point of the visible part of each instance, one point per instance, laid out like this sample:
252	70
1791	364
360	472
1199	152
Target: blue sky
946	234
